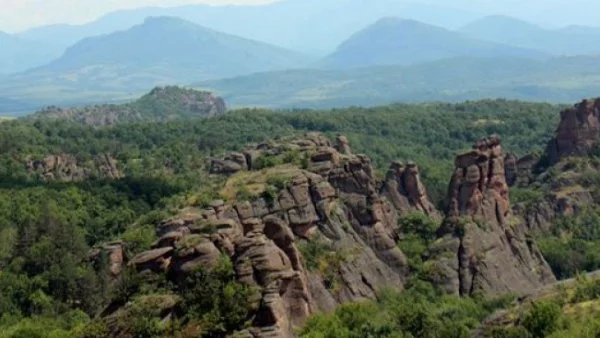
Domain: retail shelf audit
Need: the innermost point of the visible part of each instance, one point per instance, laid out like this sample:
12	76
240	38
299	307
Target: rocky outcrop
481	247
334	204
520	171
577	133
231	164
403	188
109	257
253	157
67	168
182	103
343	145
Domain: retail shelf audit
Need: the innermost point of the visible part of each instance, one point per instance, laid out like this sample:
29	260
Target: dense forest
50	285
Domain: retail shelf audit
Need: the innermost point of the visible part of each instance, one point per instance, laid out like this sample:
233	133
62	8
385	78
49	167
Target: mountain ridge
568	40
20	54
393	40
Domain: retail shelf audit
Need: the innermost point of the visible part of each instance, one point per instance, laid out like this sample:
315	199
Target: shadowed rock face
520	171
578	131
481	248
334	202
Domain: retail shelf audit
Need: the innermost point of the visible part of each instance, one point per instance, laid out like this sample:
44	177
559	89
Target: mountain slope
174	44
572	40
398	41
447	80
160	104
20	54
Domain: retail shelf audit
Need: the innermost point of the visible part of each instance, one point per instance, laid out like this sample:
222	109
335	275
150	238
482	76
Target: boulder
156	260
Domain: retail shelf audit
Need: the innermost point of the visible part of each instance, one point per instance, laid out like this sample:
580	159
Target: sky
18	15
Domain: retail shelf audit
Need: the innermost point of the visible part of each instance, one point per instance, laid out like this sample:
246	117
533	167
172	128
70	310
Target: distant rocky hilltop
161	104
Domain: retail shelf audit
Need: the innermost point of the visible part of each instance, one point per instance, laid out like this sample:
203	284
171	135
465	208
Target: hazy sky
17	15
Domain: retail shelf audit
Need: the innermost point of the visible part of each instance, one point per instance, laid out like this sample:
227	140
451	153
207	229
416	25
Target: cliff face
578	131
333	203
480	246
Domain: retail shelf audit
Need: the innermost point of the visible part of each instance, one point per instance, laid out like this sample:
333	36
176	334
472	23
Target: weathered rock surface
520	171
481	247
578	131
403	188
247	160
67	168
335	203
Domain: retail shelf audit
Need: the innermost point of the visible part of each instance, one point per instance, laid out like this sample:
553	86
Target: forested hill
161	104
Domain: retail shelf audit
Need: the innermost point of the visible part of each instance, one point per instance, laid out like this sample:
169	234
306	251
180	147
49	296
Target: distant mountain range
491	57
556	80
292	24
161	51
17	54
573	40
392	41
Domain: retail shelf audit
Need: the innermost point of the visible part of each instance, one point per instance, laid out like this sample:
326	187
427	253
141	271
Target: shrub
215	300
543	319
266	161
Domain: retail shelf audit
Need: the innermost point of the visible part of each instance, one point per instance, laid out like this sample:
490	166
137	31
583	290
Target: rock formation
334	203
109	256
578	131
481	247
520	171
403	188
67	168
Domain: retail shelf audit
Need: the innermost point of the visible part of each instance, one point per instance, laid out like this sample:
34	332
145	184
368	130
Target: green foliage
215	300
352	321
543	319
419	231
586	290
266	161
574	244
525	195
508	332
417	312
